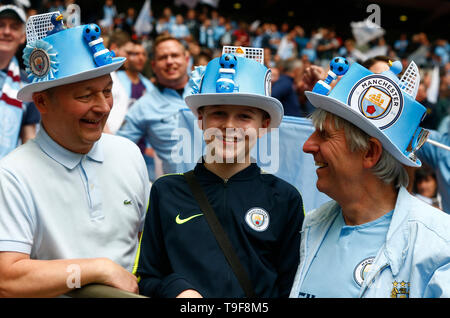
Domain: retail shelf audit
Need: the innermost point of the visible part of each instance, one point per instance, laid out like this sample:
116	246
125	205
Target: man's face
231	131
337	165
12	35
379	67
136	57
170	63
74	115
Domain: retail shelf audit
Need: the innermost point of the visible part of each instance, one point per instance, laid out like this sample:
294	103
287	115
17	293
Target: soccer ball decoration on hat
338	67
91	34
225	83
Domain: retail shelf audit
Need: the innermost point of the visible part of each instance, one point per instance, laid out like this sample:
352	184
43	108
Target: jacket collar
250	172
398	233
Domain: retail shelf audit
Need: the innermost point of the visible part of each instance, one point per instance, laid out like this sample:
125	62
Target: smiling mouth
228	139
91	121
321	164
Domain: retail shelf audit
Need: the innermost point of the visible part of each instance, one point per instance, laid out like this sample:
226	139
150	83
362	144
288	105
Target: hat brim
26	93
342	110
269	104
13	11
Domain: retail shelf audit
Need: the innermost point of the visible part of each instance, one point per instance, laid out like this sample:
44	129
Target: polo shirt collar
63	156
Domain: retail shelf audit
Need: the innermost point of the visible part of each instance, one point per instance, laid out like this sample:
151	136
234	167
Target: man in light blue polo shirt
72	200
155	115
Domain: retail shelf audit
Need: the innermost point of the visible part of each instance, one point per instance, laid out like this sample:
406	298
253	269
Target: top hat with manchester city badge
381	105
238	77
56	55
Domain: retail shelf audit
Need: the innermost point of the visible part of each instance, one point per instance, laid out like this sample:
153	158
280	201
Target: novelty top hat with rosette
55	55
238	77
379	104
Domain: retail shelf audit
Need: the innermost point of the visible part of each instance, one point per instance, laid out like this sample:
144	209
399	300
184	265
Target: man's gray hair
388	169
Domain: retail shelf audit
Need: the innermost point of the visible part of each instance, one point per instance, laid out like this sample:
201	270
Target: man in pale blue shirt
72	200
155	115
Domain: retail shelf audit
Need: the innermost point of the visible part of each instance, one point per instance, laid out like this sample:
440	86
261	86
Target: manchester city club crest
40	60
378	98
362	269
400	289
257	219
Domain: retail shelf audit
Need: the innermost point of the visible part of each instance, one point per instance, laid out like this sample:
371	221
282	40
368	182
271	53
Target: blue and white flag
143	24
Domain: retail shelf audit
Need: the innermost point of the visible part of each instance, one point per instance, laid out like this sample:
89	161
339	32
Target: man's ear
373	154
42	101
200	118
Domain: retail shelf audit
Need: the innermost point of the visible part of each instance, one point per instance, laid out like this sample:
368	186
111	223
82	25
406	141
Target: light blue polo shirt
56	204
155	116
344	257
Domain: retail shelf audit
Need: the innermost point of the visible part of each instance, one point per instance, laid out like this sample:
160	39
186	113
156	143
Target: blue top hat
57	56
235	80
379	104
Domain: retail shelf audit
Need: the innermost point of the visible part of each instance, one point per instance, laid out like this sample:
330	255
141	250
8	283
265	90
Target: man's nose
6	29
311	146
228	122
102	103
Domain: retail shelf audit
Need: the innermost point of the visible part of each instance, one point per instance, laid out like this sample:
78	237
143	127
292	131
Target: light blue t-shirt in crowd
344	257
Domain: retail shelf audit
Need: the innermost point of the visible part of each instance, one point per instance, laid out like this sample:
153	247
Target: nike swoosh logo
181	221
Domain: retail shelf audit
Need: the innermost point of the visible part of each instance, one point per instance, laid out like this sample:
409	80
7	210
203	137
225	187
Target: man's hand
311	76
117	276
189	293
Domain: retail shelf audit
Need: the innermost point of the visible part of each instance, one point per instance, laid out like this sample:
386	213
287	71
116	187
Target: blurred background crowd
294	36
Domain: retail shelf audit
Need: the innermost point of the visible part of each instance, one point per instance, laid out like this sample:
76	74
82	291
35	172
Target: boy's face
231	131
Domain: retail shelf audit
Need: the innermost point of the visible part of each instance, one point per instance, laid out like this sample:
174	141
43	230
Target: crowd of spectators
289	50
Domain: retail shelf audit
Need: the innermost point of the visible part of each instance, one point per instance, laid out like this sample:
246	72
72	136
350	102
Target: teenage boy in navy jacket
261	214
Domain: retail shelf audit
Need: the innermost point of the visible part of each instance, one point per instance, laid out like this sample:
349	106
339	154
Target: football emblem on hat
377	98
39	62
257	219
40	59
